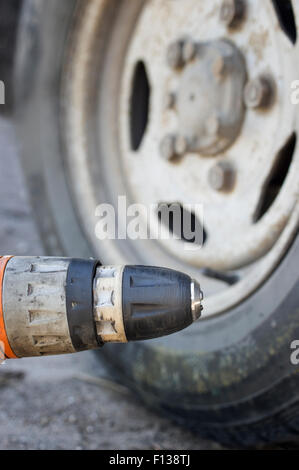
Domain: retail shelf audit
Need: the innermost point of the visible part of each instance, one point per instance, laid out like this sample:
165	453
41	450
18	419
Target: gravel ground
67	402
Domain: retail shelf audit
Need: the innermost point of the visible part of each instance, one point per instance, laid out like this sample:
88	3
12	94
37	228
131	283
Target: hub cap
210	97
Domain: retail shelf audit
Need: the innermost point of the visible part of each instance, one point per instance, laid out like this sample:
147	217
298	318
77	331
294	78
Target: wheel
162	103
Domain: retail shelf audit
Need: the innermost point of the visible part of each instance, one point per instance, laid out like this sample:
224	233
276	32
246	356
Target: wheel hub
210	105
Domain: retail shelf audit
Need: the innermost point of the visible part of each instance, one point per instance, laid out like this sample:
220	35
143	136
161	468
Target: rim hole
140	100
278	177
182	223
230	278
286	18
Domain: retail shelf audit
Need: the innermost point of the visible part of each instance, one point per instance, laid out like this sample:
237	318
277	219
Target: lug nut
181	145
219	68
221	176
175	58
169	100
258	93
189	50
167	147
232	12
213	126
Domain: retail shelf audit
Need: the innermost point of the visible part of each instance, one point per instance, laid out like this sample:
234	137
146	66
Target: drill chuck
59	305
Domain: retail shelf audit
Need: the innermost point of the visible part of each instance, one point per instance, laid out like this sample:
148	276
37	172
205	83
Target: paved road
58	402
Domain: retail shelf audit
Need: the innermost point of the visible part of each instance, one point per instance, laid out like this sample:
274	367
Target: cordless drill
60	305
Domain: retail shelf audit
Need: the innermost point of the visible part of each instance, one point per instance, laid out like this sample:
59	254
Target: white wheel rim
147	179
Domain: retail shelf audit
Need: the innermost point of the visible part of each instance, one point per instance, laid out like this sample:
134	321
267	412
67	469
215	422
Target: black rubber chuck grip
79	304
156	302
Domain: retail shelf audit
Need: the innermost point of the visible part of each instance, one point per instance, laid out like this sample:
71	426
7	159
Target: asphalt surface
67	402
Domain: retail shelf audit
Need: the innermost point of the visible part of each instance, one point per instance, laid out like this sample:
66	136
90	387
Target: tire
229	377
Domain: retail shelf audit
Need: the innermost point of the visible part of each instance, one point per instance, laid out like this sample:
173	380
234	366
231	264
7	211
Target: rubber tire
229	378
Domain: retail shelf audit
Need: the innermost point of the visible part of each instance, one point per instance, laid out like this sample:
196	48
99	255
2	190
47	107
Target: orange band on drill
9	354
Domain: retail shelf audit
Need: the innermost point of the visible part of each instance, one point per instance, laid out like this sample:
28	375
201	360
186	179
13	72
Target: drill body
60	305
